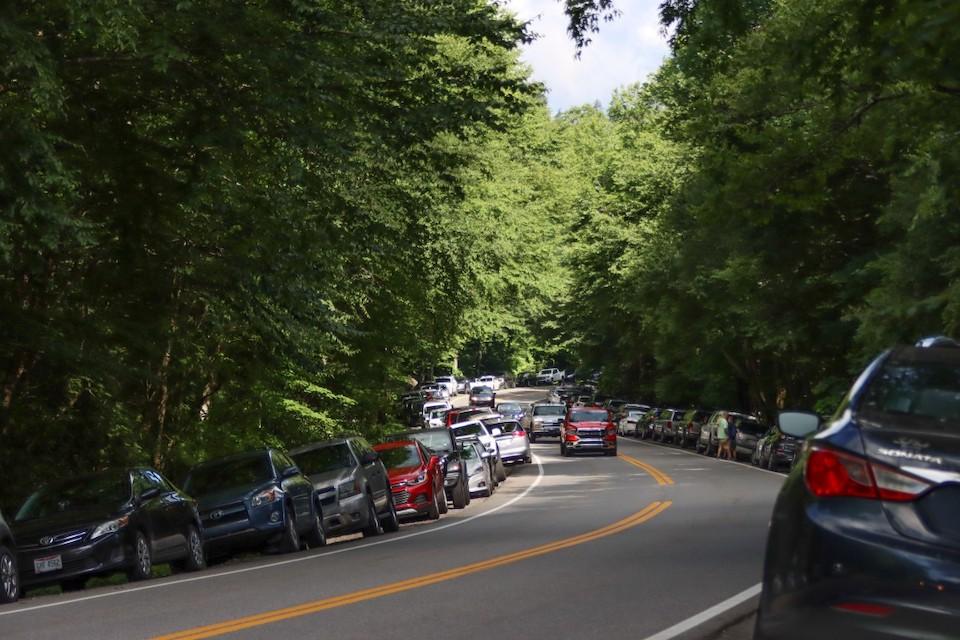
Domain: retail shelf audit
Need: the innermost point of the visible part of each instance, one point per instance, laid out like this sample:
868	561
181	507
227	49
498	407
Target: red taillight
830	473
519	432
865	608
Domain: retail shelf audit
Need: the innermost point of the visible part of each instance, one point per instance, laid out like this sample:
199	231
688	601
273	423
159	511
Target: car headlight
420	479
111	526
267	496
348	489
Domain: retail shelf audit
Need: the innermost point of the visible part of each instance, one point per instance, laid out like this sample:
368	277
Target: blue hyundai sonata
864	540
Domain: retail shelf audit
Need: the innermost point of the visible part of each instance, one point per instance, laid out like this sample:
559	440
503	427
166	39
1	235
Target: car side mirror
496	431
289	472
485	455
149	494
798	424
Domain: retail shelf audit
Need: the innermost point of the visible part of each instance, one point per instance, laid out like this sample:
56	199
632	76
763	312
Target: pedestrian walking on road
723	436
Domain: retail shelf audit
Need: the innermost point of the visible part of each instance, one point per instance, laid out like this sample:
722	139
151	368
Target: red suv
588	428
416	478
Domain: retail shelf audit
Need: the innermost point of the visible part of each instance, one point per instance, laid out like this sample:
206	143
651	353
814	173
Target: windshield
481	390
926	390
588	416
469	430
509	407
324	459
548	411
103	491
227	474
434	440
399	457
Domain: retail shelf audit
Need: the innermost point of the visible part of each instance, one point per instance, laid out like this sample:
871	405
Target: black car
864	540
254	499
9	578
124	519
441	442
351	484
774	449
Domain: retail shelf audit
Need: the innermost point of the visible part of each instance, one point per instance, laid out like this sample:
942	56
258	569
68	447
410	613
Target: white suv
449	382
550	376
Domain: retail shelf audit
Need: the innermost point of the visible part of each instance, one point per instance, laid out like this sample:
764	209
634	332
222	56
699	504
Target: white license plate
49	563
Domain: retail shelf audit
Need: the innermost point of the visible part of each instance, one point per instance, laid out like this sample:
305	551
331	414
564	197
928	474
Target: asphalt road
571	548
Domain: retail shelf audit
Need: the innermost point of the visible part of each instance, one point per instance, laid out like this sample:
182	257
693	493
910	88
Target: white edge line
703	616
703	457
279	563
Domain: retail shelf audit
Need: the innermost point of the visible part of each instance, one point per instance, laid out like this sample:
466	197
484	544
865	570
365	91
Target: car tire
290	540
443	499
9	578
501	472
460	495
317	536
433	513
142	566
528	460
196	558
373	528
391	524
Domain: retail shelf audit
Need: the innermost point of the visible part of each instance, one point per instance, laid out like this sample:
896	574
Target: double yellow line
661	478
650	511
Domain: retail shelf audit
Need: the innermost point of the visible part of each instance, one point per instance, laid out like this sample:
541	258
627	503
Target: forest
225	224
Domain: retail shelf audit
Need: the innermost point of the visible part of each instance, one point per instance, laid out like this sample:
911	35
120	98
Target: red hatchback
416	479
588	429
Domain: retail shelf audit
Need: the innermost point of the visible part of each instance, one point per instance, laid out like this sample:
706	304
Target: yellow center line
647	513
659	476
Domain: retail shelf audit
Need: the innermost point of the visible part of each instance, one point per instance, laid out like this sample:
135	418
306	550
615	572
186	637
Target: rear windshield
505	427
324	459
228	474
928	391
481	390
548	411
749	425
468	430
588	416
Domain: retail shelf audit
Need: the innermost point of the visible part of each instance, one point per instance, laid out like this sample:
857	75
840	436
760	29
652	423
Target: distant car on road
512	440
666	425
477	429
687	429
513	410
416	479
545	421
477	466
9	576
351	484
864	539
482	397
628	423
588	429
118	520
447	382
550	375
773	449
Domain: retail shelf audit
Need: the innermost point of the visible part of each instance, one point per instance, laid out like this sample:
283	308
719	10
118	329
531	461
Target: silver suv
545	420
352	486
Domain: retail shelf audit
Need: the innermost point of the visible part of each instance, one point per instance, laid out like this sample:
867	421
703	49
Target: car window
588	416
399	457
229	473
324	459
104	490
434	440
926	391
548	410
147	479
475	429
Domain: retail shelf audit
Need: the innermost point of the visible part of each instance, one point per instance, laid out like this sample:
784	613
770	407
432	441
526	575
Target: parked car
526	379
436	418
775	449
447	382
665	426
512	410
645	424
9	576
688	426
707	443
463	385
627	425
476	463
416	479
545	421
864	539
462	415
119	520
351	485
442	443
551	375
512	440
749	430
434	391
588	429
482	397
494	382
430	409
479	430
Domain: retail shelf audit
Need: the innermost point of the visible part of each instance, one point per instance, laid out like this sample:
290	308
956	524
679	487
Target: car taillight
519	433
830	473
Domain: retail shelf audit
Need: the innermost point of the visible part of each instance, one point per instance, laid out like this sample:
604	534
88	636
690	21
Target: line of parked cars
270	500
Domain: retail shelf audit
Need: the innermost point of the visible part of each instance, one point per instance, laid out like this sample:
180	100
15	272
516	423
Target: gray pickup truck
545	420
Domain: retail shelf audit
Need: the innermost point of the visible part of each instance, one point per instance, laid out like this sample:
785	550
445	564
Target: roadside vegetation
233	224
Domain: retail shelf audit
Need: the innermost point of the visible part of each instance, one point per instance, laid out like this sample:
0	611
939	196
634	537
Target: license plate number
50	563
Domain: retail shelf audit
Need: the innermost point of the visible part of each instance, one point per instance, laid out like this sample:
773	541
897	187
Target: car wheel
528	460
460	495
290	541
142	565
195	559
501	472
433	513
373	528
442	495
317	536
9	578
391	524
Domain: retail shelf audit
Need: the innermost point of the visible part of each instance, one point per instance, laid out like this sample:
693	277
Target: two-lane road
586	547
